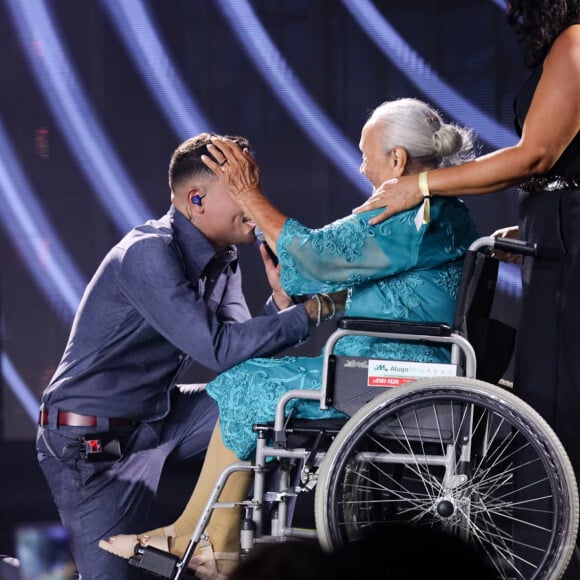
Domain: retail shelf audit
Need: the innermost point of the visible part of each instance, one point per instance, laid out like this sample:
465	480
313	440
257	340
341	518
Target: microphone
262	239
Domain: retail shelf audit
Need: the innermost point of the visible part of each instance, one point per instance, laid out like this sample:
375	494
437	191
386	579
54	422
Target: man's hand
281	299
395	195
323	307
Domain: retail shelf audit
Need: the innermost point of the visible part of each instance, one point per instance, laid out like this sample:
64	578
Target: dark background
85	143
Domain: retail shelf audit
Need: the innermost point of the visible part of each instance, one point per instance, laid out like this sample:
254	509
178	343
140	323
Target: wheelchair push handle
505	245
516	246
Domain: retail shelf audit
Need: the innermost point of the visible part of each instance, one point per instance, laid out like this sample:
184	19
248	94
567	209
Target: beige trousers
223	528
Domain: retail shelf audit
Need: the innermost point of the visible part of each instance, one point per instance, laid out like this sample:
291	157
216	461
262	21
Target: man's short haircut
186	159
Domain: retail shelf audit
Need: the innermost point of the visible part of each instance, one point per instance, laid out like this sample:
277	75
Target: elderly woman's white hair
423	133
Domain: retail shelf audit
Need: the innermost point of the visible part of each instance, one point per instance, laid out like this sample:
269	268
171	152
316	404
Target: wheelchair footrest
154	561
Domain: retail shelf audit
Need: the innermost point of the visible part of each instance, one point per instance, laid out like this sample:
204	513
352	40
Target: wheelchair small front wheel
457	455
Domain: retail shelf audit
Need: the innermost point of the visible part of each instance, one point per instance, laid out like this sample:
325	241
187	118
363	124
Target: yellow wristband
424	184
424	189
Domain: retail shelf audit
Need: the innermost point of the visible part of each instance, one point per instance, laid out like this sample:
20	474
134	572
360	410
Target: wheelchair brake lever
309	463
280	436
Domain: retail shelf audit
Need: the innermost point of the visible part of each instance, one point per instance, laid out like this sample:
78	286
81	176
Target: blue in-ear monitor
196	199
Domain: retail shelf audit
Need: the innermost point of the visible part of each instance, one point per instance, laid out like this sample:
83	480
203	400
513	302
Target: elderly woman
408	268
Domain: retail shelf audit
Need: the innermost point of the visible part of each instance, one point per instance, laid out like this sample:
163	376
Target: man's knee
190	424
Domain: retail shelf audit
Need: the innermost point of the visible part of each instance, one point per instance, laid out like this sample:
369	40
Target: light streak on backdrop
45	257
37	242
17	386
149	55
40	247
299	104
72	110
503	4
424	77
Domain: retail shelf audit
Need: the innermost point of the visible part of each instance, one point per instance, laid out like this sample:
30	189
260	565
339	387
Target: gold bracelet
424	189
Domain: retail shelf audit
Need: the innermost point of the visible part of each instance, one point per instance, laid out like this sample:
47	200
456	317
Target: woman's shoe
123	545
210	565
207	564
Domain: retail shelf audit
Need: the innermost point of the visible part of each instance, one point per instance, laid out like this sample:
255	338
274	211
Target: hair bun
447	140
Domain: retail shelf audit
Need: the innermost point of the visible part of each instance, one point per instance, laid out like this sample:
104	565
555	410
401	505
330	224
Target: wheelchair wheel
461	456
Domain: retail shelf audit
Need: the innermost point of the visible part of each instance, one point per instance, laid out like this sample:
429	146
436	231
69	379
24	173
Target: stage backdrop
96	94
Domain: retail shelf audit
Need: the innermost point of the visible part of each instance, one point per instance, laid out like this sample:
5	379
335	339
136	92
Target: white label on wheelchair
392	373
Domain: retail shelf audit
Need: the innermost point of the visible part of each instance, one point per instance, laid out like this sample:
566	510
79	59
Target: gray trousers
98	499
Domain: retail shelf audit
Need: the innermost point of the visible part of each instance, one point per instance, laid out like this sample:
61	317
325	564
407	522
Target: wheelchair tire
457	455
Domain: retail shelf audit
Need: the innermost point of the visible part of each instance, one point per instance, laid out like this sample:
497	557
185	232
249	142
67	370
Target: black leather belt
550	183
68	419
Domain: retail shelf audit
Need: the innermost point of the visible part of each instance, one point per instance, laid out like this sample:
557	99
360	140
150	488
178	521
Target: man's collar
197	250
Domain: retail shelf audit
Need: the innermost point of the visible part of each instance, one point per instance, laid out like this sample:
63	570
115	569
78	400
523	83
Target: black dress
547	371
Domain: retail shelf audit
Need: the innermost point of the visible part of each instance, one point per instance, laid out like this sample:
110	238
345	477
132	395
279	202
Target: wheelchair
447	449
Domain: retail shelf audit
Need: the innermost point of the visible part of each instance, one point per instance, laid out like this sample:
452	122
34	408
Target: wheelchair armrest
394	326
462	353
279	433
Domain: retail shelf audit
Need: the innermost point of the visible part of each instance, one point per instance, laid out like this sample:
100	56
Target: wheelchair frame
492	422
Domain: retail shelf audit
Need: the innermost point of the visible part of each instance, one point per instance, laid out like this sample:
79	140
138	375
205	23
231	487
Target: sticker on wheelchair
392	373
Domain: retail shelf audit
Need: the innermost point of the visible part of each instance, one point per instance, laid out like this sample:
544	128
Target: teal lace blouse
391	271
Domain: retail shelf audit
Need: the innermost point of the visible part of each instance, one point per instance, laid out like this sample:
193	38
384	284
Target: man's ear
399	160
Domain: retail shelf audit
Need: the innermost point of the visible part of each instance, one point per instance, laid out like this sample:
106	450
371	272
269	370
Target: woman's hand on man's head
234	167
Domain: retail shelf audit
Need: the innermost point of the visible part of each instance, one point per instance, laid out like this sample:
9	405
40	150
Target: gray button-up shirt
161	298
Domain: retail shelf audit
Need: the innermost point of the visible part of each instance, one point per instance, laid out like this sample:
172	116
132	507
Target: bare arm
551	123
